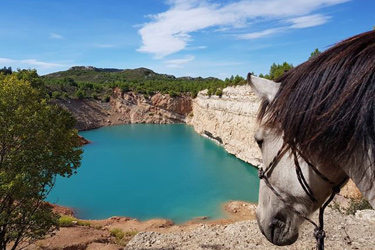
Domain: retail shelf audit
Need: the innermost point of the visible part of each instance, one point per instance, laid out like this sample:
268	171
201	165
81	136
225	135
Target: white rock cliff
230	120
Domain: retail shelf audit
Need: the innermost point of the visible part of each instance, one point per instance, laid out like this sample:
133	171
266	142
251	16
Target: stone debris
343	232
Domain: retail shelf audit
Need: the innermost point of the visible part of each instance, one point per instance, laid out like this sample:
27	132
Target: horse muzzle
277	230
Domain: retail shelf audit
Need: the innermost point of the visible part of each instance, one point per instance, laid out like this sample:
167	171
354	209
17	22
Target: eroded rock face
158	109
128	107
229	120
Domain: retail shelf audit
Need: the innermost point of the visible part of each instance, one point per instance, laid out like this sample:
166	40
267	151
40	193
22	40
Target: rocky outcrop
129	107
230	120
158	109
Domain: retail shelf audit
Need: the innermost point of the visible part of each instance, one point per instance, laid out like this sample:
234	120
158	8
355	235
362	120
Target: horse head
284	204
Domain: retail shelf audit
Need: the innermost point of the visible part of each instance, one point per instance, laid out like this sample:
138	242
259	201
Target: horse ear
263	88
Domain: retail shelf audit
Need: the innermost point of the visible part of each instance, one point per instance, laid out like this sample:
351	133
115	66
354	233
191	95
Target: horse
316	130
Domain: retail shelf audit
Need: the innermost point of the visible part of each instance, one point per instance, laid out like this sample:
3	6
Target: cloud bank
171	31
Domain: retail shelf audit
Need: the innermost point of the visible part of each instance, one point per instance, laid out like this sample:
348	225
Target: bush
56	95
131	233
117	233
83	223
357	204
80	94
67	221
173	93
219	92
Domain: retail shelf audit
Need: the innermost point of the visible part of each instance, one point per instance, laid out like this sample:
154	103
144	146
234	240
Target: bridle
319	232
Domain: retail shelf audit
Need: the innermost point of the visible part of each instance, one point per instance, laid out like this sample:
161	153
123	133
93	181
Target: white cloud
259	34
308	21
171	31
178	63
196	48
56	36
26	63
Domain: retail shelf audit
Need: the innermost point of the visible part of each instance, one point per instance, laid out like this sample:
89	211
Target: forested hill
90	82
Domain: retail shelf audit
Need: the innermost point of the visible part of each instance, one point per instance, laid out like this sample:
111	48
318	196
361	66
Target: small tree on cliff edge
315	53
277	70
37	143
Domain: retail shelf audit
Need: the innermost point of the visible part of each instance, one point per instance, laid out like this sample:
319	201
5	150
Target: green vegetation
83	223
121	237
357	204
89	82
315	53
67	221
117	233
277	70
37	143
353	206
6	71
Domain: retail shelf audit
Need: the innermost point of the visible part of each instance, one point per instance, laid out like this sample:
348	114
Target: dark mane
326	106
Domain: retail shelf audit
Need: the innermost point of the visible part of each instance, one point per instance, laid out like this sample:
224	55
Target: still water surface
149	171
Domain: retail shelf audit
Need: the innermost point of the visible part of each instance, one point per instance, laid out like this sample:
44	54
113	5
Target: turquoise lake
149	171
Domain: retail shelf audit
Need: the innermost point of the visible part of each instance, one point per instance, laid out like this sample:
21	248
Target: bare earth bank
238	231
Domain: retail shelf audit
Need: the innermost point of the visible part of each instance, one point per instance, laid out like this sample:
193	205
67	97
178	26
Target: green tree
277	70
315	53
6	70
31	76
37	143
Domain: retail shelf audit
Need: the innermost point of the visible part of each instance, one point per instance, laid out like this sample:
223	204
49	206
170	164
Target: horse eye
259	142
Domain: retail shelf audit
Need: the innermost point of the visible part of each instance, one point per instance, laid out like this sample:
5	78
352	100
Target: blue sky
182	37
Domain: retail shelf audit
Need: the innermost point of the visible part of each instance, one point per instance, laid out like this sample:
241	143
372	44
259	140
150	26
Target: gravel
343	232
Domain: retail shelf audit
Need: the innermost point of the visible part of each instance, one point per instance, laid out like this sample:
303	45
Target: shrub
83	223
173	93
80	94
67	221
131	233
357	204
219	92
117	233
56	95
194	93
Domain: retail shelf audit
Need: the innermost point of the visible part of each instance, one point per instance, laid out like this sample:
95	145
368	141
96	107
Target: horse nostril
280	217
274	222
278	221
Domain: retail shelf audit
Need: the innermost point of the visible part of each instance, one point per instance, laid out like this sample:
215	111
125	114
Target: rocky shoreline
238	231
98	234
